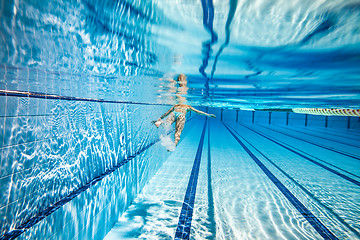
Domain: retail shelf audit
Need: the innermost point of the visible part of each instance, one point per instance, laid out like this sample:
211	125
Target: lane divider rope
68	98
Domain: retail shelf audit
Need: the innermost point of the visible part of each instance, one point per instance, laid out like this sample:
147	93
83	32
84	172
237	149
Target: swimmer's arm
202	113
167	113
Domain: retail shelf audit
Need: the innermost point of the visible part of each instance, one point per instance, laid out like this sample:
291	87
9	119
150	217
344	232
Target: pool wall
284	118
64	172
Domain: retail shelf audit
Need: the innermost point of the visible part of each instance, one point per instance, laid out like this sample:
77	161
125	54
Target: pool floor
252	182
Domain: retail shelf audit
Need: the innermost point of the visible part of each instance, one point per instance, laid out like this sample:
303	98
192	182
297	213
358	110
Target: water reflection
273	51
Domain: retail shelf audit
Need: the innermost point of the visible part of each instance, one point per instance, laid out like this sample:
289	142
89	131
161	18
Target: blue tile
52	106
31	129
3	161
33	182
42	129
12	106
2	105
13	159
100	234
5	186
30	156
21	128
2	83
23	106
3	226
15	213
19	189
33	106
3	156
42	105
11	127
68	230
2	131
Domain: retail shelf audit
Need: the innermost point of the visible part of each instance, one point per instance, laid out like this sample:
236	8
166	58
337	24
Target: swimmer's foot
171	148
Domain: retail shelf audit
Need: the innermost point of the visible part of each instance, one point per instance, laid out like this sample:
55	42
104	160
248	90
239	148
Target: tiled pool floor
281	183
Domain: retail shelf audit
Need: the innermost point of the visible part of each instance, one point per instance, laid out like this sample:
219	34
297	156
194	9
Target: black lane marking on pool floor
184	224
318	226
343	170
68	98
314	135
312	196
211	211
334	133
318	145
307	158
353	132
43	214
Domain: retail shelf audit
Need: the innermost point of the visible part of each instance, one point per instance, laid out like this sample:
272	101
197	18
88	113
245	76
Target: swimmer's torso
181	108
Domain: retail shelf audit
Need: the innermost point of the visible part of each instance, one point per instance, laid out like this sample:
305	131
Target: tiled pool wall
50	148
284	118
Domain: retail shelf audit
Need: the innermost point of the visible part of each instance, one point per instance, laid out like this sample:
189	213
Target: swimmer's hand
212	115
157	122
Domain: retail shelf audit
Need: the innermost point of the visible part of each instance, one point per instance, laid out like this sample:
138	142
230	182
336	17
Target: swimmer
177	114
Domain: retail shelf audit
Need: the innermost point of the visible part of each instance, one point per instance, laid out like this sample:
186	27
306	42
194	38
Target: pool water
81	82
266	187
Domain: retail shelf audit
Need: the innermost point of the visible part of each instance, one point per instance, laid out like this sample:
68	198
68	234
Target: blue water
81	81
237	54
235	199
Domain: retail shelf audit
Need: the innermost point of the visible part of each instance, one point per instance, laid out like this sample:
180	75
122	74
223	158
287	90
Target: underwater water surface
244	54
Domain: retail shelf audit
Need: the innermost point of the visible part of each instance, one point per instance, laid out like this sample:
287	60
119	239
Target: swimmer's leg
179	126
170	120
